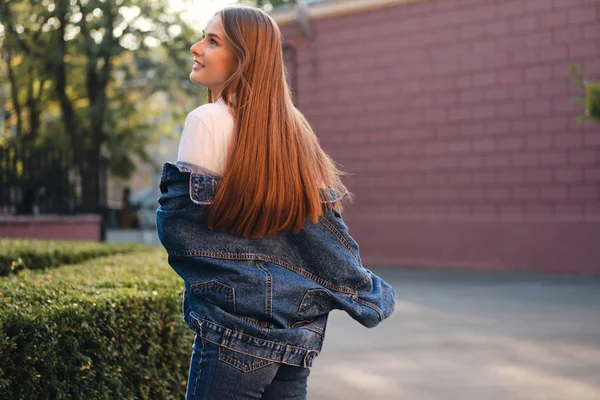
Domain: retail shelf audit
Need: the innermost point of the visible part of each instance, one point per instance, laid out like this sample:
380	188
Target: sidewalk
469	336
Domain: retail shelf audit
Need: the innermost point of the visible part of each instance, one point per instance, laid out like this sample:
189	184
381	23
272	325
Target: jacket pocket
240	361
314	304
217	293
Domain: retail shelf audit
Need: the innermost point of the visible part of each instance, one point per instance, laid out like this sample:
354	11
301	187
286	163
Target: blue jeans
218	373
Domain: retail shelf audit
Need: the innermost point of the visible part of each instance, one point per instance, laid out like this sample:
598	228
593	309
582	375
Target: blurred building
456	123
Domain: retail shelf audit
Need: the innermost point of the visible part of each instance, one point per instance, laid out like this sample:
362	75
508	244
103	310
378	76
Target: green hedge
109	328
18	254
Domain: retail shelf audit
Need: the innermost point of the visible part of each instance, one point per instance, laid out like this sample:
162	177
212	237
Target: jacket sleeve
374	302
374	299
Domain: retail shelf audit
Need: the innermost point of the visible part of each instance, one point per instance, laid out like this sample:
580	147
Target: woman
250	217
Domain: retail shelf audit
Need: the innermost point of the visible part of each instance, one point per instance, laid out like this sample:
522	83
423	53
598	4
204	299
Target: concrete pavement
469	336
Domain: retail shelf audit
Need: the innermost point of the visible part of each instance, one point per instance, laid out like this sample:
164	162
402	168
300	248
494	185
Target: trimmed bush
18	254
109	328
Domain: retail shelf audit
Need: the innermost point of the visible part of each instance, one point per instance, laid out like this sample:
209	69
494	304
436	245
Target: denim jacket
263	300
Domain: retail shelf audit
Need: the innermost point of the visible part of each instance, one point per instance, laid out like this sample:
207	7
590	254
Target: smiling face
214	59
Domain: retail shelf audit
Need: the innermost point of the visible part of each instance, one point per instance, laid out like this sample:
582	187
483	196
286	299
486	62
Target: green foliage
85	74
590	99
16	255
109	328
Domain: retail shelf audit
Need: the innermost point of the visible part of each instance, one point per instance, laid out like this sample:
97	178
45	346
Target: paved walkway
469	336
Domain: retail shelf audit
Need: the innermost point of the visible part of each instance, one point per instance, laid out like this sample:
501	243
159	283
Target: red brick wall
454	118
77	227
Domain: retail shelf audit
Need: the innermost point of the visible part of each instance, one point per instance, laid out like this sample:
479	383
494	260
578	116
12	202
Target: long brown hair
275	166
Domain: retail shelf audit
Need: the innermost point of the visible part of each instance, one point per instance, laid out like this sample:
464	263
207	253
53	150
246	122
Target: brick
511	76
497	127
526	91
514	176
497	161
538	108
483	79
537	74
525	193
583	157
592	32
553	193
471	194
481	13
483	209
508	143
483	46
552	19
484	178
536	6
482	112
459	178
524	56
591	209
471	31
555	89
461	146
528	126
445	163
567	35
580	15
539	176
459	114
471	162
498	194
474	96
511	209
554	53
435	148
592	175
583	50
568	175
583	192
525	160
564	106
482	145
524	23
568	209
498	28
496	60
568	140
497	94
551	159
472	129
538	39
553	124
509	110
538	209
509	8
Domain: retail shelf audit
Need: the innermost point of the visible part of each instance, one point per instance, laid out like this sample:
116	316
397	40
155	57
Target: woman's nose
195	49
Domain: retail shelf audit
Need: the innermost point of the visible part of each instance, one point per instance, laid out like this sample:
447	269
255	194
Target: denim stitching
212	284
268	291
371	306
262	257
243	336
340	237
239	365
199	369
364	281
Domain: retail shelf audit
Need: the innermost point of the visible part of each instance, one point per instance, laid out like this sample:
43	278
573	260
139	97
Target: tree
90	67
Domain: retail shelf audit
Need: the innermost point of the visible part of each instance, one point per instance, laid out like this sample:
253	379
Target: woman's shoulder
210	111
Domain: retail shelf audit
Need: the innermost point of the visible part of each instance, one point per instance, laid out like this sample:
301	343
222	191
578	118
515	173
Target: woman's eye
214	41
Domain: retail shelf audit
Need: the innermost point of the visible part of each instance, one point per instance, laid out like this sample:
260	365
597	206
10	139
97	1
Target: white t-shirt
206	135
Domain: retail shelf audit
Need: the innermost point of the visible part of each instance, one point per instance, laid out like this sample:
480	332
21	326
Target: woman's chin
194	78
